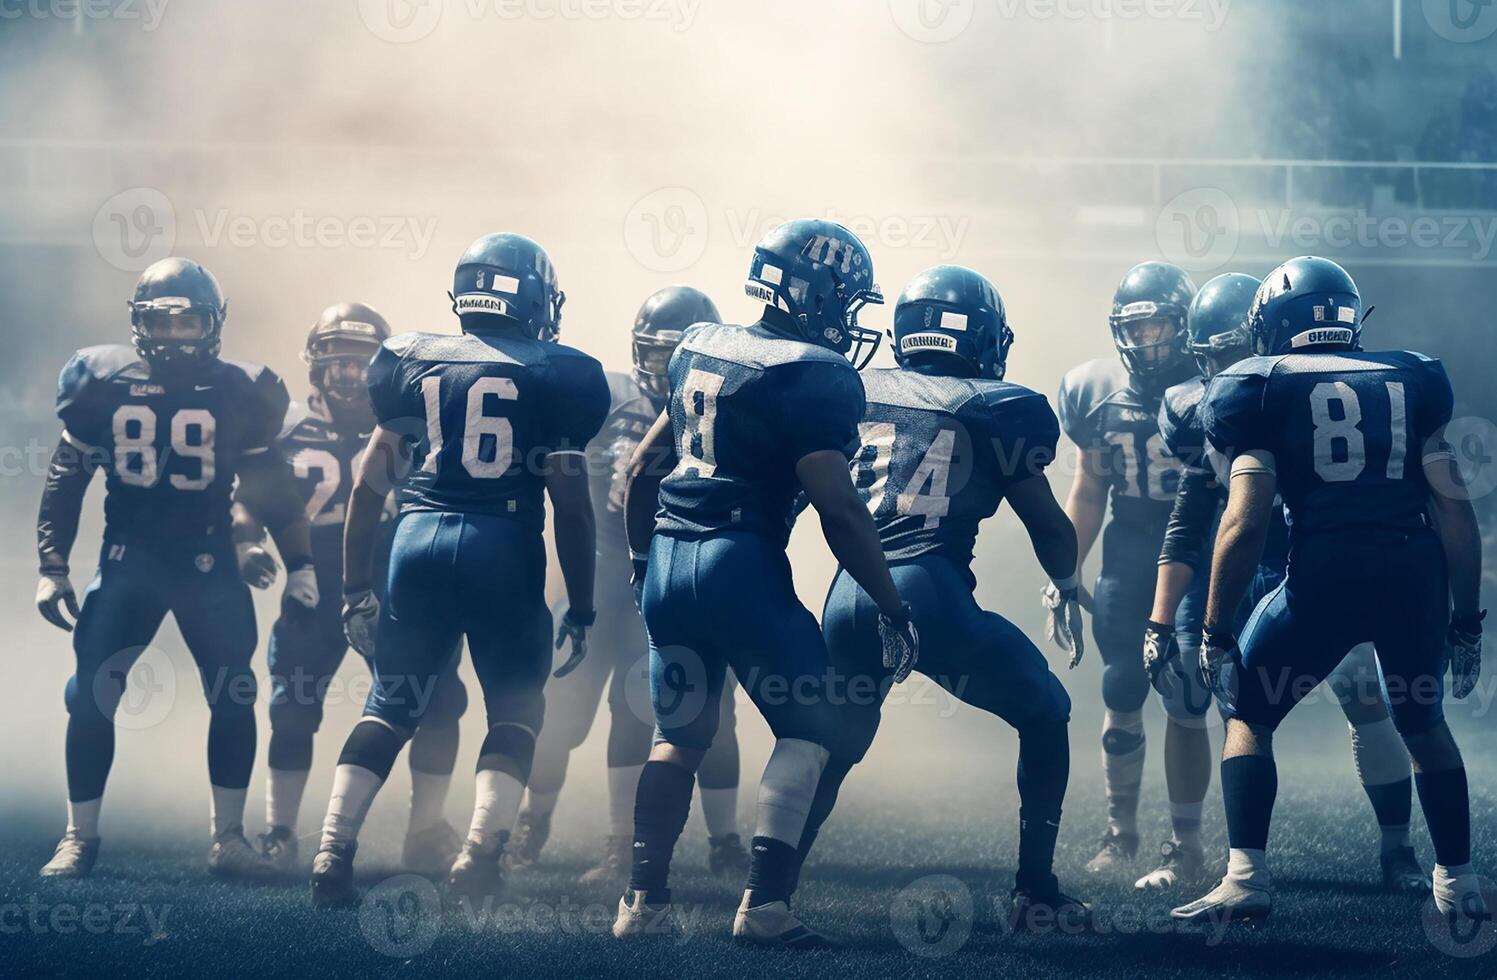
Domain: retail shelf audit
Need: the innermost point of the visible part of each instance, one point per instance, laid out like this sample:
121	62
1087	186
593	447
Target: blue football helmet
1306	302
658	327
174	287
952	310
1217	323
509	276
822	275
1148	317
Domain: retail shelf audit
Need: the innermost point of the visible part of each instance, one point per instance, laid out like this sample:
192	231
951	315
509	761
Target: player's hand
1463	653
1219	662
300	596
573	630
1063	624
901	642
361	620
256	566
53	592
1162	657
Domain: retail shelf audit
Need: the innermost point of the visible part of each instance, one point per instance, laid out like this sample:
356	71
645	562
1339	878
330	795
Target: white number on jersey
329	478
1156	464
933	473
137	462
697	450
476	425
1345	434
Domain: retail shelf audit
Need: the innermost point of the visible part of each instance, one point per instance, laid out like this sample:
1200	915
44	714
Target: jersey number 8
137	461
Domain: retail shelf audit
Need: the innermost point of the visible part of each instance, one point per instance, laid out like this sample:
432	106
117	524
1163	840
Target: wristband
1470	623
298	563
900	619
581	618
54	564
1220	638
1070	583
1164	629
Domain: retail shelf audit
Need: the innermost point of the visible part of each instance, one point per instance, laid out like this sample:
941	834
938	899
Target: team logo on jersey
204	563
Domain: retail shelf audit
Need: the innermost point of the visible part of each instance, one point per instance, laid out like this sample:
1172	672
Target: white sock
227	808
1123	773
1379	753
1458	889
354	789
1185	821
428	797
495	806
83	816
283	793
623	784
720	811
542	804
787	788
1249	866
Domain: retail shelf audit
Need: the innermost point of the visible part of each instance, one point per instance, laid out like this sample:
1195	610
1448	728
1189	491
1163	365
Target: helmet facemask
1223	350
172	333
339	373
652	361
1150	339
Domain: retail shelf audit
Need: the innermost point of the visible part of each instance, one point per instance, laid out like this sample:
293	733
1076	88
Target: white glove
256	566
901	642
1063	624
361	620
55	590
300	594
1462	654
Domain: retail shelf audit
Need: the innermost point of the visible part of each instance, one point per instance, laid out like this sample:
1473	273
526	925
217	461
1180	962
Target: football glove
1219	661
361	620
56	590
573	629
1463	653
901	642
256	566
1162	657
1063	622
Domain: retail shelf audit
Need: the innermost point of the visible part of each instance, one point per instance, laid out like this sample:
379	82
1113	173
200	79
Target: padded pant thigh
302	663
123	608
859	682
1189	699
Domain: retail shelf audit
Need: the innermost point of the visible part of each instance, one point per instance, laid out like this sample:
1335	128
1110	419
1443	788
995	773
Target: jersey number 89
137	461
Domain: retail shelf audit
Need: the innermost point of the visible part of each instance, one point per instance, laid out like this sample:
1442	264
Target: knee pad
1125	687
373	745
527	709
508	747
295	718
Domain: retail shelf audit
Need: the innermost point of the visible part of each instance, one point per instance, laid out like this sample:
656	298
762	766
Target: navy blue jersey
630	416
324	462
937	455
484	411
1347	431
747	404
1102	412
170	446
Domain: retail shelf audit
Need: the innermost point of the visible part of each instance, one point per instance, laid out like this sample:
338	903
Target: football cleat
531	832
614	863
74	857
278	846
774	924
431	850
332	876
478	871
1401	872
232	856
1459	897
1117	850
727	857
1179	865
1233	900
1043	907
639	917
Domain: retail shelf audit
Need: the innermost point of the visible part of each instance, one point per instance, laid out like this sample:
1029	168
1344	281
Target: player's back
1347	431
484	410
938	453
747	404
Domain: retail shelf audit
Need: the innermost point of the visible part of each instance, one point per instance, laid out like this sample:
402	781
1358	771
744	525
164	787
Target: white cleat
639	917
1179	866
773	924
1234	900
1459	897
232	856
74	857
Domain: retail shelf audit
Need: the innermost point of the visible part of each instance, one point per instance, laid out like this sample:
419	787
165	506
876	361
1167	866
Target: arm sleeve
386	392
821	404
68	476
1187	536
578	404
79	404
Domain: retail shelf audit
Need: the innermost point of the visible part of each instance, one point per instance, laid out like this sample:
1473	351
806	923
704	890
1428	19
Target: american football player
478	428
173	426
1218	331
944	441
1110	409
323	444
618	638
756	414
1386	550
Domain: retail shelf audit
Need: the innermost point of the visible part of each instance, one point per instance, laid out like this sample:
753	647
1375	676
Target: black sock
660	809
1392	803
1249	785
771	864
1044	770
1446	802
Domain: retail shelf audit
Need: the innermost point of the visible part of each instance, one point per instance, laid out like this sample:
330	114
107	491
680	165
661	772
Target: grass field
895	849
